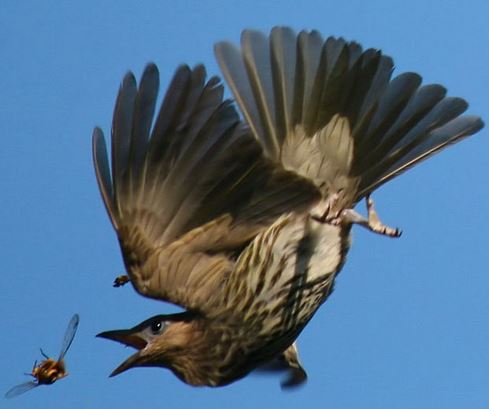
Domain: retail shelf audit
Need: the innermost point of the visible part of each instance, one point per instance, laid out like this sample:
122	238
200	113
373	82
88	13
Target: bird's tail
331	112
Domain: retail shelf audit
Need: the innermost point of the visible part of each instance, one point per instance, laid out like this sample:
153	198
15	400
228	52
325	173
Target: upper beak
128	337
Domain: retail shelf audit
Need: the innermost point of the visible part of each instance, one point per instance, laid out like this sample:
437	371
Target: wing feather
121	133
185	198
102	171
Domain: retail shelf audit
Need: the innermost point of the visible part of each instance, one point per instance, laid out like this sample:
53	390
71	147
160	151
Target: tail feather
330	111
386	110
452	132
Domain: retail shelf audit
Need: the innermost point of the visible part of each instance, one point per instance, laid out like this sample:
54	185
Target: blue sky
408	323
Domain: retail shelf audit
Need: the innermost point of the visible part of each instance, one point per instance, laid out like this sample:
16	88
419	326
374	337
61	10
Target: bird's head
158	340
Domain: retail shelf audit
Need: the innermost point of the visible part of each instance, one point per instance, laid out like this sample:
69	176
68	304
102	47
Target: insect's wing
19	389
69	335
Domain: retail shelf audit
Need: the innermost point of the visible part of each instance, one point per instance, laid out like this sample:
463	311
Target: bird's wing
330	111
186	194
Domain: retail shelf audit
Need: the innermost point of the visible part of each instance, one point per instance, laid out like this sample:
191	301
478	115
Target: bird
246	222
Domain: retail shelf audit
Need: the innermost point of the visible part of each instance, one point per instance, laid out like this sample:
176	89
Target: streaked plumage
246	225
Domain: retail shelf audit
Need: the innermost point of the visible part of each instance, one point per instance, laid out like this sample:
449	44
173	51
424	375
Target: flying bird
246	223
49	370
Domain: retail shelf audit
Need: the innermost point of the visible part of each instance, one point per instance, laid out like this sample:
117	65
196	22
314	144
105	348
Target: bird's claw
373	223
120	281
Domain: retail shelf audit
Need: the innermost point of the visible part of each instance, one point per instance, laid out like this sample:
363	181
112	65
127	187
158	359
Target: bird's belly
293	272
289	271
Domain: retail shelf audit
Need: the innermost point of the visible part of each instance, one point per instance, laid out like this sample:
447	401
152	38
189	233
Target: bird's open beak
129	363
128	337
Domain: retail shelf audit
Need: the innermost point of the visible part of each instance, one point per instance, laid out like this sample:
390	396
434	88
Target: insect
49	370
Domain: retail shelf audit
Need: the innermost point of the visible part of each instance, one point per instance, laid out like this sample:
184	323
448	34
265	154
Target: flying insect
49	370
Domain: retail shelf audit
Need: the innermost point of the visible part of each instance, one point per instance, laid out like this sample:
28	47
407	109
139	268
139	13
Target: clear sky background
407	326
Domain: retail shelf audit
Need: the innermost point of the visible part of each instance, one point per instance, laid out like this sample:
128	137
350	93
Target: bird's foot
373	223
120	281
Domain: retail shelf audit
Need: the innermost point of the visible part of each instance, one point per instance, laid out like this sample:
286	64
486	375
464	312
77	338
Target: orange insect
49	370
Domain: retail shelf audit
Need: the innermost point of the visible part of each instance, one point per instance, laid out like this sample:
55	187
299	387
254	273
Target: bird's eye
156	327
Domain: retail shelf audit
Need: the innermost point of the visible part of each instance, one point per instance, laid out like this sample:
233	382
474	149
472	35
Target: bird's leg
324	209
120	281
373	223
43	354
297	374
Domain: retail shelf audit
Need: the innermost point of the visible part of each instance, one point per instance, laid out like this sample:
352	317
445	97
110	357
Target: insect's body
49	371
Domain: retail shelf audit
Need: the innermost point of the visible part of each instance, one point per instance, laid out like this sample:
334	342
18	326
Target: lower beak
129	363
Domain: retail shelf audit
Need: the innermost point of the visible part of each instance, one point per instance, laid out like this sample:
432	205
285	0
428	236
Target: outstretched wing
330	111
20	389
184	199
69	335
